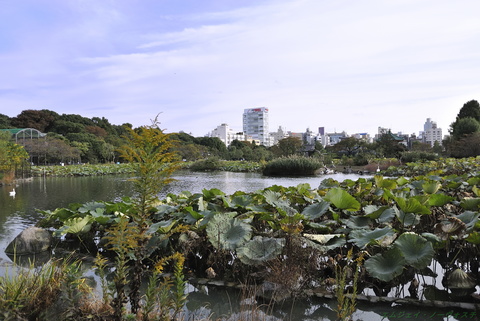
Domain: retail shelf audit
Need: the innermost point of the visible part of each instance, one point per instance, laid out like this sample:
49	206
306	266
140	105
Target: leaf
356	222
75	225
469	218
362	237
316	210
431	187
338	240
274	198
402	181
242	201
407	219
411	205
418	252
388	184
342	200
260	250
439	199
473	238
92	207
162	227
228	233
386	266
470	203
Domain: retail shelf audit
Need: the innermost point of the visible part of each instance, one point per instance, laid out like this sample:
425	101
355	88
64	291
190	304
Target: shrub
418	156
208	164
292	166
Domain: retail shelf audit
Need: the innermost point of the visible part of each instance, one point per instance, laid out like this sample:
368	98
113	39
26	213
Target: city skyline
345	65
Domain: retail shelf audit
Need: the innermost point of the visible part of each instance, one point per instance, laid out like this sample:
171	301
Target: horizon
357	66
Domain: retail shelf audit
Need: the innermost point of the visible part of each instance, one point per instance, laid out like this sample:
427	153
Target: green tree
464	127
349	146
4	121
470	109
12	156
287	146
388	146
42	120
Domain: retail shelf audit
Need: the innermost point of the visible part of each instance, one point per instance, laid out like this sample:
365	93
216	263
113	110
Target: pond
19	212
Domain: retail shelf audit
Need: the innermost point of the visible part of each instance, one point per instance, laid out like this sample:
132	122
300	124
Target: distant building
278	135
255	124
431	133
227	135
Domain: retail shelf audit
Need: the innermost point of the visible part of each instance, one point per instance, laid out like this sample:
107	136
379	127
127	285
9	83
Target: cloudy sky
343	65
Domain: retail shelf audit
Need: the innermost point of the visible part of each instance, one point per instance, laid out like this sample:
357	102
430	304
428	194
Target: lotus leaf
407	219
470	203
431	187
75	225
473	238
386	266
470	219
417	251
439	199
449	227
362	237
213	193
342	200
411	205
402	181
476	190
226	232
316	210
260	249
473	181
325	244
383	183
162	227
242	201
273	198
328	183
356	222
92	207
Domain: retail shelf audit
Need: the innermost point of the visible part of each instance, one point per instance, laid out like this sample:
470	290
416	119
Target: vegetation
293	165
397	226
12	157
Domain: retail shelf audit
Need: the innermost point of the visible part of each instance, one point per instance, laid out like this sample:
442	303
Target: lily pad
316	210
418	252
342	200
362	237
228	233
260	249
386	266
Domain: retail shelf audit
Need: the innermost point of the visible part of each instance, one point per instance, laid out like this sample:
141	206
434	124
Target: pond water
19	212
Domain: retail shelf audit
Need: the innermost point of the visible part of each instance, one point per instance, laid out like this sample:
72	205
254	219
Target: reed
293	166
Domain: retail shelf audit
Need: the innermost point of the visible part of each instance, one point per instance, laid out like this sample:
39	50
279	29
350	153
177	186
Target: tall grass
26	293
293	166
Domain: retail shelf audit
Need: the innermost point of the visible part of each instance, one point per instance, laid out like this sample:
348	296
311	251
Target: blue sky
342	65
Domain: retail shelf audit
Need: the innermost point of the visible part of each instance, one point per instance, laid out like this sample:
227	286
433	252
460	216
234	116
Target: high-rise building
431	133
227	135
255	124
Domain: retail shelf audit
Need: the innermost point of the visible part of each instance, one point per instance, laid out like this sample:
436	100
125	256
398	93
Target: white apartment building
431	133
255	124
227	135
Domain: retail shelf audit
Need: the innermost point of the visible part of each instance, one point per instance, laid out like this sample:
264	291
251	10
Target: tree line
73	138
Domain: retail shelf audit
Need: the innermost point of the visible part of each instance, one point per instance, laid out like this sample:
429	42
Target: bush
418	156
208	164
292	166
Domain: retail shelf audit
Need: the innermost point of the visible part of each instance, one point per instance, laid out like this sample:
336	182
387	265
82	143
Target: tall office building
255	124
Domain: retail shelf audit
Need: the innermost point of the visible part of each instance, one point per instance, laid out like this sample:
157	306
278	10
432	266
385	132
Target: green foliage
292	165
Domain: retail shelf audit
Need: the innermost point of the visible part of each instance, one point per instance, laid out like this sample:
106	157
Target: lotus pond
416	238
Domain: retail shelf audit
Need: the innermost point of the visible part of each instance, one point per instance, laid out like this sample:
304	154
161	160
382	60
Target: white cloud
343	65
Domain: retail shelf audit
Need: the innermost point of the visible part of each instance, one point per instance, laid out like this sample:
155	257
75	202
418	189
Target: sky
344	65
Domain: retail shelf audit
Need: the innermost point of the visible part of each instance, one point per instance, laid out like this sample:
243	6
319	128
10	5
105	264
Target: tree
287	146
389	147
42	120
4	122
11	157
470	109
349	146
464	127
